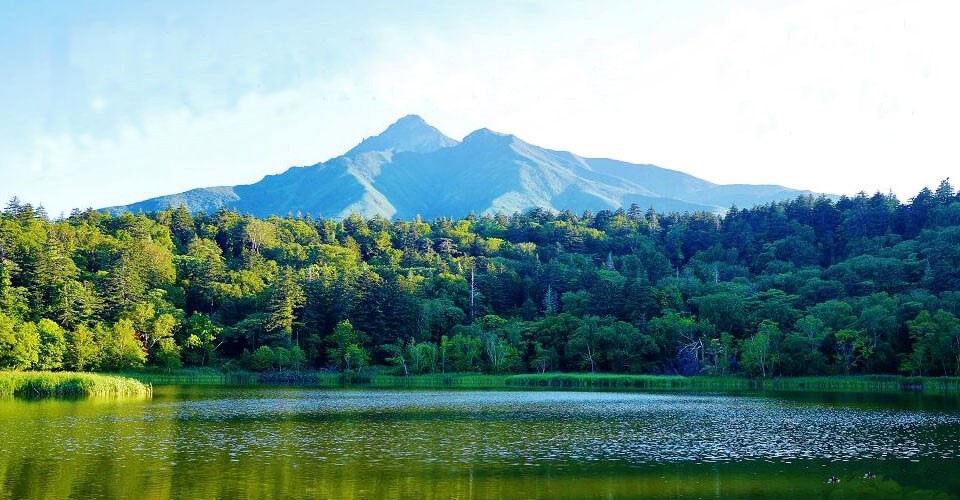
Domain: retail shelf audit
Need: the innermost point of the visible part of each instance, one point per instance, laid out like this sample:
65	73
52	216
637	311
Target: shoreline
558	381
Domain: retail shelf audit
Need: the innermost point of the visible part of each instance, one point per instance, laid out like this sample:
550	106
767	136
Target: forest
812	286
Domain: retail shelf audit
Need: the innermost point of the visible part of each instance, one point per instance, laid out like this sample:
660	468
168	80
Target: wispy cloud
825	96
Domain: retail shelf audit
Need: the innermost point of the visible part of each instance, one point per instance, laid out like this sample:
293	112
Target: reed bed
555	381
441	381
865	383
605	381
194	376
70	385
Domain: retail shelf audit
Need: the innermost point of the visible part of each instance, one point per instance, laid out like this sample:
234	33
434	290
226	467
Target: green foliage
936	344
168	355
279	358
852	347
202	337
811	286
19	344
263	359
296	358
466	351
346	351
122	348
354	357
756	357
83	351
284	298
53	345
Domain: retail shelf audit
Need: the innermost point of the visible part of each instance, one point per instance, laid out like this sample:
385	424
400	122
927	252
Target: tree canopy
863	284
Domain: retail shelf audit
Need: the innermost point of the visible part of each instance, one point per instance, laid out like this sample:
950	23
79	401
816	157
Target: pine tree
551	302
286	297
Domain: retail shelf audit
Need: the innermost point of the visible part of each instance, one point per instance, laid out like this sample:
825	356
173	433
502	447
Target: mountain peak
409	133
487	136
410	120
490	172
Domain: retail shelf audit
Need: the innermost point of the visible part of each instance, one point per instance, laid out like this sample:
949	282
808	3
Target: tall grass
865	383
938	384
193	376
440	381
70	385
861	383
607	381
375	378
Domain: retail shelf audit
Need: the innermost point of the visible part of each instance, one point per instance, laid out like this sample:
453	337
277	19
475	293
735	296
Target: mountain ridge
412	169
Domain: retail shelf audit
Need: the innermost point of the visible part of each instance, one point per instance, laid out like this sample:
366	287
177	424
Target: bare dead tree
588	357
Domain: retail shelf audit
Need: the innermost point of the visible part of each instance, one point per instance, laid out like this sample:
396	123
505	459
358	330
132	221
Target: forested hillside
810	286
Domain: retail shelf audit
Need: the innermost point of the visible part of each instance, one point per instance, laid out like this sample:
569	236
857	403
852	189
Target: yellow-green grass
441	381
606	381
70	385
864	383
858	383
375	378
192	376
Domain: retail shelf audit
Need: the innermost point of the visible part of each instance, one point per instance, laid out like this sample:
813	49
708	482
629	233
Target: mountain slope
413	169
409	133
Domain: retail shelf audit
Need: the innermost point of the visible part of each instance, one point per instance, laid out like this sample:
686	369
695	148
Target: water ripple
390	429
477	427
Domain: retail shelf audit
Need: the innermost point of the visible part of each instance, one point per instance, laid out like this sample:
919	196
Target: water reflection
230	442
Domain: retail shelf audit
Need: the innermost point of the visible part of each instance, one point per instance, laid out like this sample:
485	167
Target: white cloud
98	105
825	96
176	150
815	95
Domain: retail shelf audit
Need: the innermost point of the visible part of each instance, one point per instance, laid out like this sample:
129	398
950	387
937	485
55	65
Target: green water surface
230	442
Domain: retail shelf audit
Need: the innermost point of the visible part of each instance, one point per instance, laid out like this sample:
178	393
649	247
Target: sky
107	103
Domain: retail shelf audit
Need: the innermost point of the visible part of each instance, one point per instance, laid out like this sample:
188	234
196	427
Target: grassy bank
862	383
866	383
591	381
609	381
193	376
560	381
69	385
442	381
373	379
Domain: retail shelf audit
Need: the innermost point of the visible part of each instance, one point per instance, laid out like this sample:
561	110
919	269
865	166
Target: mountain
409	133
413	169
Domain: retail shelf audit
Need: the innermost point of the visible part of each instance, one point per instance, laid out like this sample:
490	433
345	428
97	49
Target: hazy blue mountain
413	169
409	133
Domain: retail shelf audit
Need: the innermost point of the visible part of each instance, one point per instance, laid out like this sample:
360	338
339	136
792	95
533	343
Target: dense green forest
811	286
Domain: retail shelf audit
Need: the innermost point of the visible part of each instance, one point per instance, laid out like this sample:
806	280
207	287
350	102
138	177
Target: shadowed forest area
812	286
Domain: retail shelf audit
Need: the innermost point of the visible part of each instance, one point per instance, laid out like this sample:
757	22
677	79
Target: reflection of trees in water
353	444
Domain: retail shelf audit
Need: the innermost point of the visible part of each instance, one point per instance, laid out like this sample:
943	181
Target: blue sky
112	102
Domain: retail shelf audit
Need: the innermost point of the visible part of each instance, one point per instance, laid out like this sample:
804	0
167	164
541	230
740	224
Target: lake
234	442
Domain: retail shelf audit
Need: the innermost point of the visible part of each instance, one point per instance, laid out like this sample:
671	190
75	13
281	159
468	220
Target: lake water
216	442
